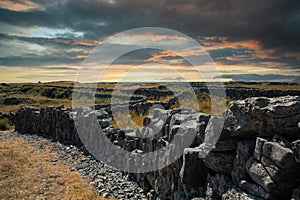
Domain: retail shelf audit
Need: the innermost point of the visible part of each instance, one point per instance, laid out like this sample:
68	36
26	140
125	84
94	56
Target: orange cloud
18	6
192	51
293	55
90	43
214	43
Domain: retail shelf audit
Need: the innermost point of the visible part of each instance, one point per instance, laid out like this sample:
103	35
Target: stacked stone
159	130
264	135
243	92
51	122
256	157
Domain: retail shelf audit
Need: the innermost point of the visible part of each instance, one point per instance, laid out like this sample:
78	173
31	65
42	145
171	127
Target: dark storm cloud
35	60
61	42
275	23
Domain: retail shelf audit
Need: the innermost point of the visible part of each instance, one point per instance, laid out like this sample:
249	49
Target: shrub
26	88
4	125
48	92
58	93
3	84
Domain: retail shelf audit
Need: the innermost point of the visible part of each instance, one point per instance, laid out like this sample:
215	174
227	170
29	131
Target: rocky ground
256	156
108	181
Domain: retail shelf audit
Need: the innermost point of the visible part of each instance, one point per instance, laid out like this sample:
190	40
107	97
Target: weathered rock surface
296	149
273	166
220	162
193	172
256	156
235	193
265	116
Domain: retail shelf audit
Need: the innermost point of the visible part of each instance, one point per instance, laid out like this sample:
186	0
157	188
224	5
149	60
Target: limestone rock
226	142
260	175
220	162
235	193
193	171
220	183
239	174
282	156
296	149
264	116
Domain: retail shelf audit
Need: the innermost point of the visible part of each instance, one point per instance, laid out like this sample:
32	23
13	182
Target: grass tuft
4	124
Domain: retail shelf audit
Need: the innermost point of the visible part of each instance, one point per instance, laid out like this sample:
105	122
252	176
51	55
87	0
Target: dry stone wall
256	157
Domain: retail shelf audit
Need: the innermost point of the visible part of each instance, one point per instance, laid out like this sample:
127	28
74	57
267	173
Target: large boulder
264	116
273	166
239	174
260	175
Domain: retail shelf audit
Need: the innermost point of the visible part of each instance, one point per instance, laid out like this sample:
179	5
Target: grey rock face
220	162
296	149
239	174
193	172
256	156
265	116
273	166
226	142
260	175
235	193
282	156
220	184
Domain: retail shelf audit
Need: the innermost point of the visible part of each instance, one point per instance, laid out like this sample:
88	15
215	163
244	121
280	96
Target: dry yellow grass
131	120
27	172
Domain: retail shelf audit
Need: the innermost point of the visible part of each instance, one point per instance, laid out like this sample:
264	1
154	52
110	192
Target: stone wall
242	92
256	157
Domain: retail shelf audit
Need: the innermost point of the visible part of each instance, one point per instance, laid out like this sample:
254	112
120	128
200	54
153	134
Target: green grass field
59	93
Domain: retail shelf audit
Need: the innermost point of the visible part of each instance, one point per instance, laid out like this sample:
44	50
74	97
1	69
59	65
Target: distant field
60	93
281	86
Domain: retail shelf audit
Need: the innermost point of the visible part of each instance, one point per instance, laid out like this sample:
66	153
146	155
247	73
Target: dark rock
260	175
243	153
296	149
282	156
264	116
193	172
220	183
226	142
220	162
296	194
258	148
235	193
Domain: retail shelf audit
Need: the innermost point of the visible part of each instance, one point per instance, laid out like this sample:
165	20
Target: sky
43	40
